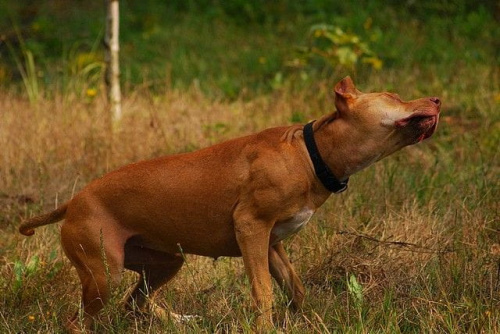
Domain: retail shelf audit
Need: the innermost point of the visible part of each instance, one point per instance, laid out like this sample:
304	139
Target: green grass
411	247
245	48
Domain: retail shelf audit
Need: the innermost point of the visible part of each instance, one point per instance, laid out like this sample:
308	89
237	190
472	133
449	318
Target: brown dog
238	198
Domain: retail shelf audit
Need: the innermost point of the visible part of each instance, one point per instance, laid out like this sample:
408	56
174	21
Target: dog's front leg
253	240
282	270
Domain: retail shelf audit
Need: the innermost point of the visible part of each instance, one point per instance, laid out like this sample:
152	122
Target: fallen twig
412	247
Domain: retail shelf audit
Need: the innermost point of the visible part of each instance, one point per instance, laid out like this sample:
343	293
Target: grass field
412	247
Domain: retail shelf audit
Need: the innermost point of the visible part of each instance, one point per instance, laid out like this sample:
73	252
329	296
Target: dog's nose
436	101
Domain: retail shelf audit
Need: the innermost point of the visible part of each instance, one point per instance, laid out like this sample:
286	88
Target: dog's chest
283	230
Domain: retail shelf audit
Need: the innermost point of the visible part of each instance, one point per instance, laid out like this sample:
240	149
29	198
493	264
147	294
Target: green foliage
25	62
81	71
34	266
298	117
24	271
171	44
334	47
356	291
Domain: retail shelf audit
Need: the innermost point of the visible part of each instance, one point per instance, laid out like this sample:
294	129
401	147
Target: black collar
323	172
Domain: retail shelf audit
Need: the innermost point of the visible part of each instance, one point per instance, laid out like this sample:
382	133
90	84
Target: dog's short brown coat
237	198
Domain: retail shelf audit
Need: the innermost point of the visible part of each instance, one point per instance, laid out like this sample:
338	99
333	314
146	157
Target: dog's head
388	122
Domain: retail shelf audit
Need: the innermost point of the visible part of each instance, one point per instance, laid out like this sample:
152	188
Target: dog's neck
323	172
340	148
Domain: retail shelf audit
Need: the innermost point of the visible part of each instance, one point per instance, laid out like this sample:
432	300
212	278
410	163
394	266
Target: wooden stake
112	59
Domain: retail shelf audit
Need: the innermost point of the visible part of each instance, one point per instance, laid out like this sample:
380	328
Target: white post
112	58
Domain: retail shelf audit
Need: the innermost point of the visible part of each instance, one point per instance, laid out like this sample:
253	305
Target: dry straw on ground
416	235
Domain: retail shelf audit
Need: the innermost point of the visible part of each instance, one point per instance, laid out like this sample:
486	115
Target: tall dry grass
411	247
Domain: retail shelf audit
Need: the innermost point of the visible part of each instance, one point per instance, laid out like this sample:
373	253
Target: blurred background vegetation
241	48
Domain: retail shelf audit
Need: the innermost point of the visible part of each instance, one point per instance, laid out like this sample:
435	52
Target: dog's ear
345	91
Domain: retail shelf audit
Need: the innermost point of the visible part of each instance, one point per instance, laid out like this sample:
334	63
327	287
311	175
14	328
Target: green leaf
356	291
32	265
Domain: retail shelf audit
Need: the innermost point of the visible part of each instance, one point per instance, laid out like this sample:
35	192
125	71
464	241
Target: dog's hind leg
155	268
98	259
282	271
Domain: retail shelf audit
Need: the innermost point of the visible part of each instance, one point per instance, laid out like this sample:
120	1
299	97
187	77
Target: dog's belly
284	229
191	235
209	244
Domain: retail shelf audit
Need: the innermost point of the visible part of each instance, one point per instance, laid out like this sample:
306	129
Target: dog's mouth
423	124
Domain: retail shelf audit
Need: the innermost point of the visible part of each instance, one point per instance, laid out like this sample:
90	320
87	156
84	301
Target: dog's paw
165	315
184	318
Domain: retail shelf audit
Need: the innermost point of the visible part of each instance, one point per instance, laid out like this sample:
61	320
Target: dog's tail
28	226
